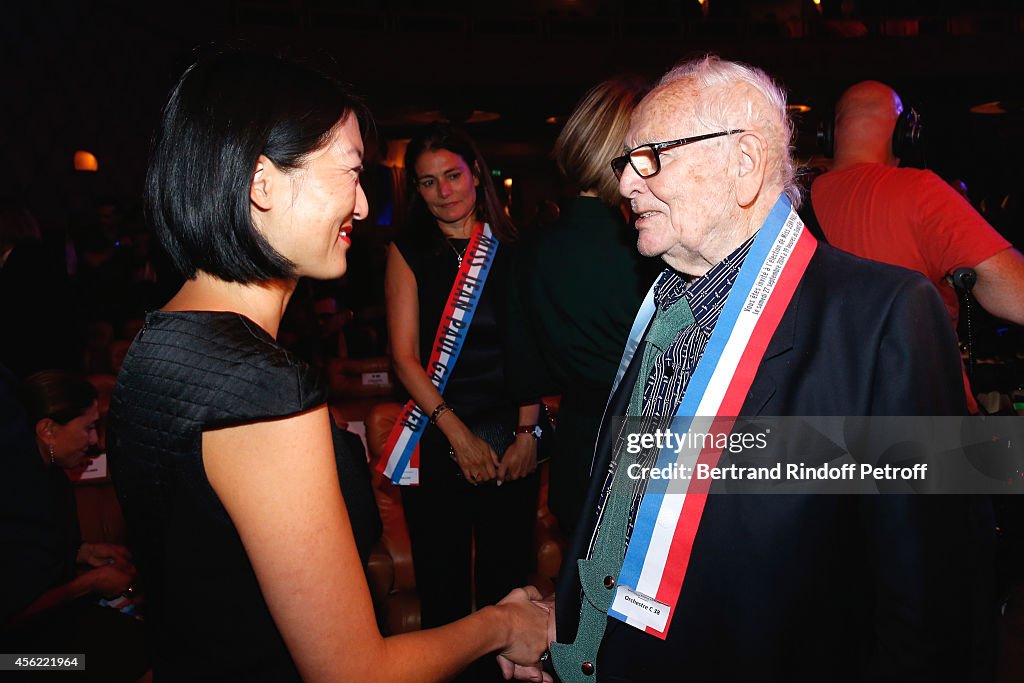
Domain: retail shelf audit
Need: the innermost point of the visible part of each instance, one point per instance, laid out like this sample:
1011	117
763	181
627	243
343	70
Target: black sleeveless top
185	373
477	383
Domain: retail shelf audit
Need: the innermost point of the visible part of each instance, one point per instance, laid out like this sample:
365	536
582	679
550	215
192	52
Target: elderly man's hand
536	674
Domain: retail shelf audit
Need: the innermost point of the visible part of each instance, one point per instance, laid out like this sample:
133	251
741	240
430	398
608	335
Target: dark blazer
820	587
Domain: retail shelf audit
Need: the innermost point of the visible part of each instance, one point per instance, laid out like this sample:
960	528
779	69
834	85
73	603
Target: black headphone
905	136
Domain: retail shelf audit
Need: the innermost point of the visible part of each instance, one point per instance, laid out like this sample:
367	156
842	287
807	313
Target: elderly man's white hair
736	95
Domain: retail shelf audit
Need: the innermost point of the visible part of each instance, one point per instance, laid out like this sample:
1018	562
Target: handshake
531	622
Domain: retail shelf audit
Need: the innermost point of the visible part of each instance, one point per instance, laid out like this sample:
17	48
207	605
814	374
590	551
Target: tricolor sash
666	524
400	462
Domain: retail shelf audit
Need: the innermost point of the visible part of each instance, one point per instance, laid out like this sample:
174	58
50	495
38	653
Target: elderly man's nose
629	181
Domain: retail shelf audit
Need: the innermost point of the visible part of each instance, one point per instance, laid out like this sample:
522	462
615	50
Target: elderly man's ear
752	161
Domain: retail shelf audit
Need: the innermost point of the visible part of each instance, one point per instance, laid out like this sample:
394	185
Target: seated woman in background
577	286
220	440
52	582
477	486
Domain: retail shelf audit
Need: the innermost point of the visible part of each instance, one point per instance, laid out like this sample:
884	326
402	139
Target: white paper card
410	477
641	610
96	469
375	379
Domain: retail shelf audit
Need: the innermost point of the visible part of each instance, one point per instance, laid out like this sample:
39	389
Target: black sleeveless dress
185	373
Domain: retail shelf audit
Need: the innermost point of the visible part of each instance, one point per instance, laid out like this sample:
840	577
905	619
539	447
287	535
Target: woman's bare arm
478	460
278	482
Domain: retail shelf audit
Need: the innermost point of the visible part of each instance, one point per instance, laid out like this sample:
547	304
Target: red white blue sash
666	524
400	462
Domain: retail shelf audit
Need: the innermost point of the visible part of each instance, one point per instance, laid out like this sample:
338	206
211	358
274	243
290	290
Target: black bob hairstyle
443	136
226	110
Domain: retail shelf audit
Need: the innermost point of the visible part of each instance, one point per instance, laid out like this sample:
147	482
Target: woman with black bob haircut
471	516
220	440
198	201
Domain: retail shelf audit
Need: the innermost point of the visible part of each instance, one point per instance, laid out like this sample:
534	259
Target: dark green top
579	284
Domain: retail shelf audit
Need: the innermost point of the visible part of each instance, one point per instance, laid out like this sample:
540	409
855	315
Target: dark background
93	75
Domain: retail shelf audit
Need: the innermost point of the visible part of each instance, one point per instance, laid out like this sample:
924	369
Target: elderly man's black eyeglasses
646	159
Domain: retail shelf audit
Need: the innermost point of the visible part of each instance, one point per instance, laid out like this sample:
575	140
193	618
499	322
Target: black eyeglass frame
618	164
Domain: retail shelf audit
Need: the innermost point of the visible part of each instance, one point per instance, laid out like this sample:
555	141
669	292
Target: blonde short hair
593	136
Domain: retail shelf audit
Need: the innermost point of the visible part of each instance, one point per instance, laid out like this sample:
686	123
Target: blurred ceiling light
86	161
430	116
478	116
508	182
1010	106
798	108
551	119
988	108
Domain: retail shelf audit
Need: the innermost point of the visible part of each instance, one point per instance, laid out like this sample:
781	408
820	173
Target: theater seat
389	570
356	378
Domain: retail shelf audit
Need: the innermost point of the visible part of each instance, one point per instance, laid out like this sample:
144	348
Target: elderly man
752	317
905	216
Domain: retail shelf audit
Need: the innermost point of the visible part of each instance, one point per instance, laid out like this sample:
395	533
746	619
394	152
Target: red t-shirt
904	217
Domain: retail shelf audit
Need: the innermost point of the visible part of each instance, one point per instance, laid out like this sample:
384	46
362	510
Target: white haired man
752	318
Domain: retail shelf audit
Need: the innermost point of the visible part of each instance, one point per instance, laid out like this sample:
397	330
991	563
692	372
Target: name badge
410	477
641	611
374	379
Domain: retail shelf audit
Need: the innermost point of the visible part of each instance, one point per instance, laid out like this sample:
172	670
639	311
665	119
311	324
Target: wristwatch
533	430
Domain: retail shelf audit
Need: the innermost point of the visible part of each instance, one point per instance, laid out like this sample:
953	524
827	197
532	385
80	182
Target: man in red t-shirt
907	217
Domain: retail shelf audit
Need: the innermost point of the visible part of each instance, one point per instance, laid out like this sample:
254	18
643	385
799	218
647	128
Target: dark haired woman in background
52	581
478	456
220	440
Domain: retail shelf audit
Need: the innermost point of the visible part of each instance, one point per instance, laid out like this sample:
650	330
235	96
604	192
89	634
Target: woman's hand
113	571
476	458
102	554
528	622
520	459
108	580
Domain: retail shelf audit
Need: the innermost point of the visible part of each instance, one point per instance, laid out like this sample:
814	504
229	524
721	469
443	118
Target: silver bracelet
441	408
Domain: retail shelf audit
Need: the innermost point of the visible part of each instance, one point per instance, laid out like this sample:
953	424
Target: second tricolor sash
400	461
666	524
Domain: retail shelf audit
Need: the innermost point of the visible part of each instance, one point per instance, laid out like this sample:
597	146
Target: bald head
865	118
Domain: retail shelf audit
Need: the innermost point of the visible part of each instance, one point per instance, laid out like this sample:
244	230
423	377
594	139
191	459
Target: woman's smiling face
314	205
